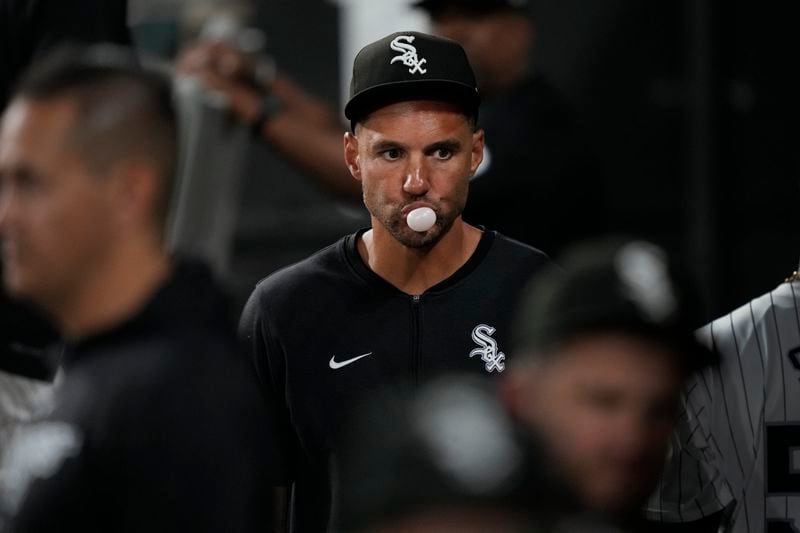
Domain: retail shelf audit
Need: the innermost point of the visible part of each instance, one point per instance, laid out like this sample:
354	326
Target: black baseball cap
434	7
617	285
407	66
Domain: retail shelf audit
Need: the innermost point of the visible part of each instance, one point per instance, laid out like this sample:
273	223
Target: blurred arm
304	129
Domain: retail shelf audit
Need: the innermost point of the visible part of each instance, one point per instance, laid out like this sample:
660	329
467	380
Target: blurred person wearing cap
417	294
539	170
604	349
447	458
158	423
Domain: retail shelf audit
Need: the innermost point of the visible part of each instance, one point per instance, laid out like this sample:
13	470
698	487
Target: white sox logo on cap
408	54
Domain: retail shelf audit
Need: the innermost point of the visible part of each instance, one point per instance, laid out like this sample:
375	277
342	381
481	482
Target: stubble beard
422	241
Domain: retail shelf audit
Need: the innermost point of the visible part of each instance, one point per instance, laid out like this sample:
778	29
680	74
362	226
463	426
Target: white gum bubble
421	219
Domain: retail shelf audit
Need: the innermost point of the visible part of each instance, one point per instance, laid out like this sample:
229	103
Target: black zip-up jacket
159	426
325	332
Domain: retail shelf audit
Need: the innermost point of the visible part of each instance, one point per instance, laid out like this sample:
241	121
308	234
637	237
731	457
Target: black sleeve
201	449
267	361
172	447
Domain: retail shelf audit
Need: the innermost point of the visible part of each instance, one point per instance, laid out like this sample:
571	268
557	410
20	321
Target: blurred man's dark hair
618	285
124	110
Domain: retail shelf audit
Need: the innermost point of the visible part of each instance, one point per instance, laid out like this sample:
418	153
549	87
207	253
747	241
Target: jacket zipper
415	337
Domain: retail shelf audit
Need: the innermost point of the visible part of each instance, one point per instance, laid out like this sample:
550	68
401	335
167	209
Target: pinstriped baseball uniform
691	487
741	433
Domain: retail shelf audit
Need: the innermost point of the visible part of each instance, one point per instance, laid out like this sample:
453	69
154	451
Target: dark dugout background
687	105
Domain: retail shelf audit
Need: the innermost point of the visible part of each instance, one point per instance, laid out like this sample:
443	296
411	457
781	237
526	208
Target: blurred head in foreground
87	152
445	460
602	352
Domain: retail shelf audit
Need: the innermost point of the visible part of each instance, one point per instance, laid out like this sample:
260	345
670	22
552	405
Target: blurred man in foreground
606	349
154	428
28	31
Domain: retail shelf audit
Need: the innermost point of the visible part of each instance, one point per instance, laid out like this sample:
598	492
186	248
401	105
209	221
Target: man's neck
116	292
415	270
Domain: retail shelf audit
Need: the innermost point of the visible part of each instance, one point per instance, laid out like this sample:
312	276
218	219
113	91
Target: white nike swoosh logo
336	366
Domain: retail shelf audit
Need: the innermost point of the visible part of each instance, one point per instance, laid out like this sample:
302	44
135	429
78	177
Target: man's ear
136	190
478	141
351	155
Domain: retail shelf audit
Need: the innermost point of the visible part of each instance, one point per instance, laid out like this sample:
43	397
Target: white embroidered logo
36	452
408	54
481	335
336	365
643	269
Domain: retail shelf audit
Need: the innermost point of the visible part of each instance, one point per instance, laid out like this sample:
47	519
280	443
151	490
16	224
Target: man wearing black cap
539	181
418	294
604	351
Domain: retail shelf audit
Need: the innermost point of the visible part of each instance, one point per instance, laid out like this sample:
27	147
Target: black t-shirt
325	332
539	183
159	427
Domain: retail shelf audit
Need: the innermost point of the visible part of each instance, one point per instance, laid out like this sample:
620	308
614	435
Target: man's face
605	406
414	154
54	217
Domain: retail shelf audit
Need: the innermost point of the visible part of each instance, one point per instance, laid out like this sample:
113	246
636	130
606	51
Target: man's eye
391	154
443	153
602	400
27	182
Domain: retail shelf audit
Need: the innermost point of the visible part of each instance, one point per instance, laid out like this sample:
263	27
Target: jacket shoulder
512	249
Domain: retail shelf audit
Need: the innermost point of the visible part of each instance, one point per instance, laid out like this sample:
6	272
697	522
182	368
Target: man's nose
416	181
